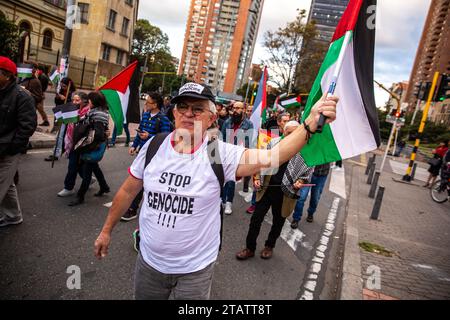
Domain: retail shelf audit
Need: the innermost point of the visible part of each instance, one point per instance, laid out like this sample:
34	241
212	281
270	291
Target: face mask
237	118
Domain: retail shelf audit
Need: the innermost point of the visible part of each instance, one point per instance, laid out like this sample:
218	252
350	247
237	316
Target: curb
352	282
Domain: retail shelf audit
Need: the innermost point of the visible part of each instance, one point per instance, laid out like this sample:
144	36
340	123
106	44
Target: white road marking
293	237
337	182
316	267
108	205
400	168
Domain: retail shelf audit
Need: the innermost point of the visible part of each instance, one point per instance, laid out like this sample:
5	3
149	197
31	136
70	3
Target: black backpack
214	157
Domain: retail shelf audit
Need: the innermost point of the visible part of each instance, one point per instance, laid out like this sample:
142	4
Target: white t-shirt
180	213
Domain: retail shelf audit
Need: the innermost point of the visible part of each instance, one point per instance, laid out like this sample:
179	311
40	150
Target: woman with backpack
90	141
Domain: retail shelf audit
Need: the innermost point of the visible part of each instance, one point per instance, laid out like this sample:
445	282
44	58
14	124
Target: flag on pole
259	113
24	71
66	113
291	102
356	128
54	76
119	92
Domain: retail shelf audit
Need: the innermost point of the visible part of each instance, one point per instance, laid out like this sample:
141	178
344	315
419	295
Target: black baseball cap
196	91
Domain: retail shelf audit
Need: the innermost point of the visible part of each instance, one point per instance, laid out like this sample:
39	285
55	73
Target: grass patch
374	248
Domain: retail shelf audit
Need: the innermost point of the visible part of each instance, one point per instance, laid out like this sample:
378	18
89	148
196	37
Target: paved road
36	254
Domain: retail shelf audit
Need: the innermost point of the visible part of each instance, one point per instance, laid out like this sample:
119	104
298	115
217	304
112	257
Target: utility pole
407	176
248	88
143	73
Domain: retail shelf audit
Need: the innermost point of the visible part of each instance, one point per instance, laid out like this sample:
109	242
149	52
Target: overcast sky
399	28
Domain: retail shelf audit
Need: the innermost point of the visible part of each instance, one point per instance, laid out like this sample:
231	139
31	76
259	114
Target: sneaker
310	219
251	209
65	193
228	209
111	145
137	240
51	158
129	215
101	192
294	224
10	221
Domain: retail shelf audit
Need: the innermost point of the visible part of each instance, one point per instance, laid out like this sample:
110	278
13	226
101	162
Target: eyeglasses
196	110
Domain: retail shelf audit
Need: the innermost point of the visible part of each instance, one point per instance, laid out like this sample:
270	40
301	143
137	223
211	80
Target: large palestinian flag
356	129
122	95
259	113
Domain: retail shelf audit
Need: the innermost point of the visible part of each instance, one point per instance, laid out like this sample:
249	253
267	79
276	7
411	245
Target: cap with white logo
194	90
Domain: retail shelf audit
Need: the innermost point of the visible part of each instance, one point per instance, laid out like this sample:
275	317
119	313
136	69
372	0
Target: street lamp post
250	79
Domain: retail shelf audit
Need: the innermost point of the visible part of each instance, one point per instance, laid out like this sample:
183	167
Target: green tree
284	48
148	39
9	38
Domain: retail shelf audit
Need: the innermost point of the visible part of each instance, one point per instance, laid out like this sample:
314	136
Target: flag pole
336	73
59	130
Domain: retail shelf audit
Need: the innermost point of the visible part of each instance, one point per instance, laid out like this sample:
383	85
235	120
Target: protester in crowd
400	146
112	143
223	116
62	97
97	120
249	111
180	220
319	179
237	130
153	122
277	189
436	163
75	164
34	86
18	122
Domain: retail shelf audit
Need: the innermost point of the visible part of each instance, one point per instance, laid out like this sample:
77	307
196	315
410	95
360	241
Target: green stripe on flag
323	142
115	108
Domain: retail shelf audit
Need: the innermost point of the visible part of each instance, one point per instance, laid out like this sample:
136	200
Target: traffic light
425	91
441	93
418	89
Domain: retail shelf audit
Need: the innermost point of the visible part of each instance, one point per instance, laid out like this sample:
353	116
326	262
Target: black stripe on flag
134	109
363	51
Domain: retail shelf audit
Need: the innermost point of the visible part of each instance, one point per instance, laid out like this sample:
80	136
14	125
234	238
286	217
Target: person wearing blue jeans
114	136
319	179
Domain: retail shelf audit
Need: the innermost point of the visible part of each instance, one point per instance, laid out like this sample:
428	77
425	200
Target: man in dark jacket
18	122
34	86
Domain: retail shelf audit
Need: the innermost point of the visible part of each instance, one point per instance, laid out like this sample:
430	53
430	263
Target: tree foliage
9	38
284	48
148	39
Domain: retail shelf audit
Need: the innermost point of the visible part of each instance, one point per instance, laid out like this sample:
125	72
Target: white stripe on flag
70	114
124	99
288	102
351	130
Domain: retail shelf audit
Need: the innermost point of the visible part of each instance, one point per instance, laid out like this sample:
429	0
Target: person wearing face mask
236	130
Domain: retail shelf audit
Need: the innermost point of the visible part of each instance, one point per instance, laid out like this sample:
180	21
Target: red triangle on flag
121	81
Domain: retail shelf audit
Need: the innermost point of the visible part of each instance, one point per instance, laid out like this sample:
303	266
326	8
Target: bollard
374	186
369	163
413	172
377	204
371	173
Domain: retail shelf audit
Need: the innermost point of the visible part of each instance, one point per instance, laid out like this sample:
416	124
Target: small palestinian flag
291	102
120	93
355	130
24	71
66	113
54	76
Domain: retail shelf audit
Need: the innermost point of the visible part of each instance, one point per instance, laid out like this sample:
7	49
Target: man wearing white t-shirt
180	220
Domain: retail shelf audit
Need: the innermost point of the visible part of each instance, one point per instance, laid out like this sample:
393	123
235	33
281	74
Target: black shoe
129	215
76	202
294	224
102	192
310	219
45	124
51	158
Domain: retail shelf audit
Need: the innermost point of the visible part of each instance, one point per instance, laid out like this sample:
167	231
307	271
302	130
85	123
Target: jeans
273	197
316	192
73	169
246	183
228	192
88	169
254	198
9	200
127	133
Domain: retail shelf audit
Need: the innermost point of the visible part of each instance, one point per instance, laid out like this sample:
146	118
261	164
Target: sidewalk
411	226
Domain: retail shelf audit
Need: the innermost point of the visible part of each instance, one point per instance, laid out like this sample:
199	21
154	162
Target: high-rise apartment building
219	42
433	55
327	14
101	39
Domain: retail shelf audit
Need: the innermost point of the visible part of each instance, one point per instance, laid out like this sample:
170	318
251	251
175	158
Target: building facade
219	42
101	39
433	55
327	14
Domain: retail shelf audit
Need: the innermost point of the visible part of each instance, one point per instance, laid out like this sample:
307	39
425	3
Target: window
58	3
112	20
125	24
119	58
106	52
129	2
83	12
48	39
